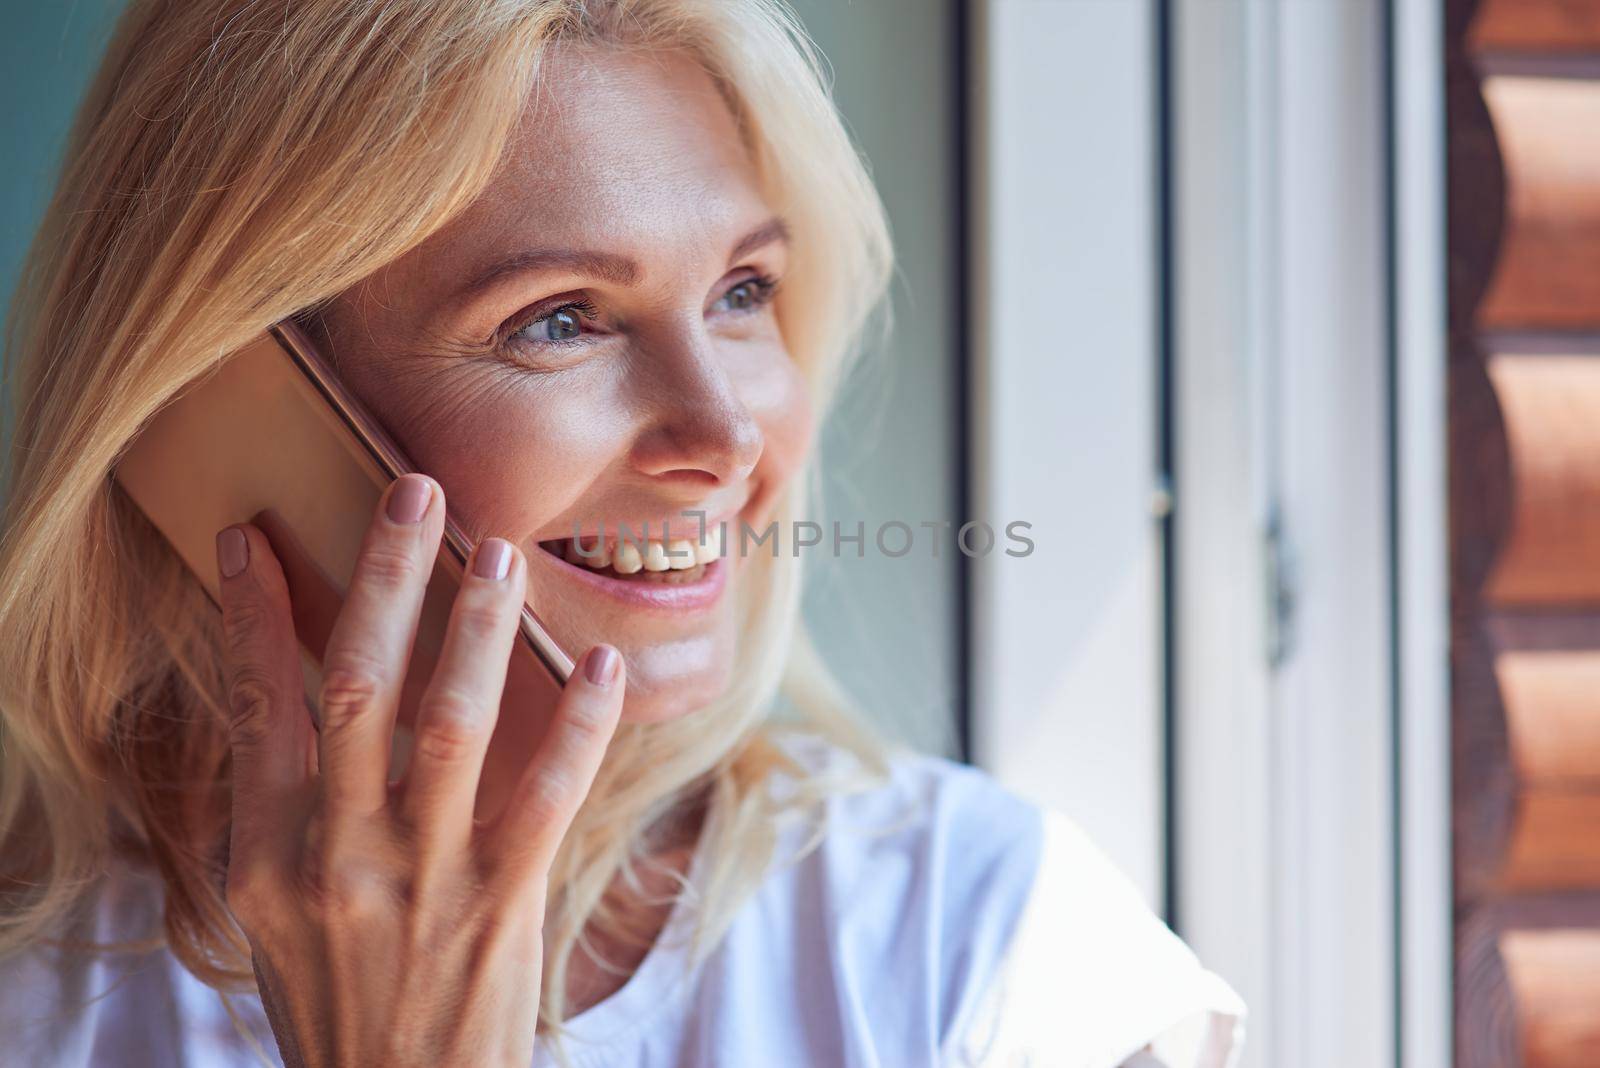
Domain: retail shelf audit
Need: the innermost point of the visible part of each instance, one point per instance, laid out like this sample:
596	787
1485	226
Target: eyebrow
774	229
608	266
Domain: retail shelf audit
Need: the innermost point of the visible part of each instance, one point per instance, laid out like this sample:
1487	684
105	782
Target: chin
662	700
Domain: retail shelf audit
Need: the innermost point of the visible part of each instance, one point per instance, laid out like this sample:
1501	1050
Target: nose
699	431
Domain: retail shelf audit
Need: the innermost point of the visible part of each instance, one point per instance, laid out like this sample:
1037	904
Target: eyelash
765	289
584	307
765	286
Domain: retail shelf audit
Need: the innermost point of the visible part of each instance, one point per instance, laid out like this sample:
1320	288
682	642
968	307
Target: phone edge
393	462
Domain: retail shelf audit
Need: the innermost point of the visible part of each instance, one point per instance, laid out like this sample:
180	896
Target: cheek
778	398
512	452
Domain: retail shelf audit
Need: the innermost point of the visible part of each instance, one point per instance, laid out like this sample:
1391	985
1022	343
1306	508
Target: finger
458	710
527	833
364	666
269	728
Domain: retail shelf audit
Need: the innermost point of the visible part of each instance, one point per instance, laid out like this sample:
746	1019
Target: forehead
618	148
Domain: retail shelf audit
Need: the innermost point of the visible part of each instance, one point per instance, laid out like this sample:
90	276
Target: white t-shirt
941	921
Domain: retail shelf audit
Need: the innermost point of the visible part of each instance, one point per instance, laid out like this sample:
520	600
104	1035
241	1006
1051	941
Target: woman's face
591	344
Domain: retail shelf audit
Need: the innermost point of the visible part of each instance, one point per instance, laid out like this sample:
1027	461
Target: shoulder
956	814
930	834
1090	959
904	896
104	991
56	996
987	923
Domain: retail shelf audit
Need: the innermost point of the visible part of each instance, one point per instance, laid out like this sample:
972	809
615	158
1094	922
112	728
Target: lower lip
686	597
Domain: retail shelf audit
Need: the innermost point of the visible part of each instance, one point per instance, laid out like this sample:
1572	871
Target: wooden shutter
1523	99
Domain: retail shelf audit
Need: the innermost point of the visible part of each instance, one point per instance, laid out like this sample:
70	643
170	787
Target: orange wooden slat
1538	26
1552	703
1555	842
1555	981
1551	407
1548	273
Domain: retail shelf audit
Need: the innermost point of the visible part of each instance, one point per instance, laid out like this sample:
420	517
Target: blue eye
562	324
748	295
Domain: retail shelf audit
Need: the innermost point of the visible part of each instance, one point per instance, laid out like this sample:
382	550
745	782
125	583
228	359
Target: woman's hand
387	926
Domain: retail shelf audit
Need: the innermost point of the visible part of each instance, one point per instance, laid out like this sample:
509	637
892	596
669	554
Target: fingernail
493	559
409	499
600	666
233	551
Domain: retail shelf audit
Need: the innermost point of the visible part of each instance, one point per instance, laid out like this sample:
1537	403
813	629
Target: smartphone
271	437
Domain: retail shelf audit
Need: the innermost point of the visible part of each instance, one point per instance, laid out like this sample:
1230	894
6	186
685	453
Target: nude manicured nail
600	666
408	501
493	559
233	551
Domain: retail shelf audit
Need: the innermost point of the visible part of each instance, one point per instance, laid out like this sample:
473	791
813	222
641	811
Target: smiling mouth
679	562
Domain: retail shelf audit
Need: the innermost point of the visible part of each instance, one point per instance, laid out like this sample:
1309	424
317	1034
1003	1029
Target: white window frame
1289	826
1421	463
1311	821
1066	645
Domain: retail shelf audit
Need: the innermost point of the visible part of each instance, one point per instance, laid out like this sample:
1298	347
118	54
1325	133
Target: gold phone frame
388	456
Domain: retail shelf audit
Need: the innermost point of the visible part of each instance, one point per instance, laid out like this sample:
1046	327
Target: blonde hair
235	164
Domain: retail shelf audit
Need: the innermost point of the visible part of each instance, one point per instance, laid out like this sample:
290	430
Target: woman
593	262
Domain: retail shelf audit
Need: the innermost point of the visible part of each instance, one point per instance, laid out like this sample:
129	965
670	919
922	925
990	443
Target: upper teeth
679	554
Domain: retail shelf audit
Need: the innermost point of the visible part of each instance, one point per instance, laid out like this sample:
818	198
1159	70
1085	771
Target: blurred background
1279	323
